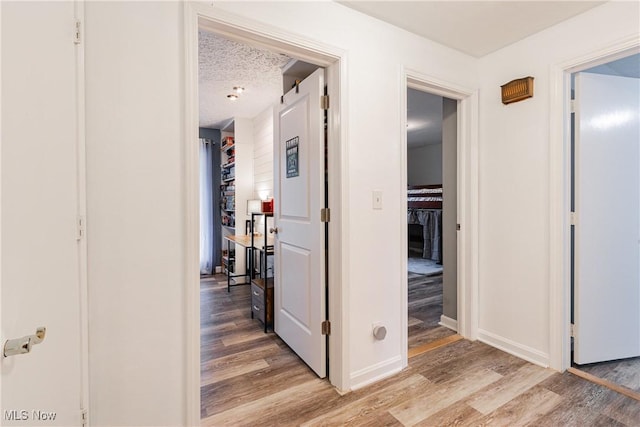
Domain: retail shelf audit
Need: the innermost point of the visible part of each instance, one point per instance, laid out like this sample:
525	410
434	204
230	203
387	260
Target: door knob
23	345
273	230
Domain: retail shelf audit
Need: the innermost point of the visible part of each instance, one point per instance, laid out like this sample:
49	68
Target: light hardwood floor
624	372
251	378
424	310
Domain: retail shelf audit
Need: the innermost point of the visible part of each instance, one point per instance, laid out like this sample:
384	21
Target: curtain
207	232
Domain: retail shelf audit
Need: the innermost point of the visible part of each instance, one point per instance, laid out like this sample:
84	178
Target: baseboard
448	322
522	351
376	372
219	269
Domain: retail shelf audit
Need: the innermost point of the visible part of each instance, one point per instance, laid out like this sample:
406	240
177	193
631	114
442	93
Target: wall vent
517	90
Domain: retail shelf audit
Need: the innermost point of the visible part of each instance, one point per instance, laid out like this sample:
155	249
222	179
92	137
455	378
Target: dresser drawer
257	302
258	308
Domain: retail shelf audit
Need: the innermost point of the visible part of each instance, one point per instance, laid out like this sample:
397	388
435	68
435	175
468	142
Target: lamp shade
254	206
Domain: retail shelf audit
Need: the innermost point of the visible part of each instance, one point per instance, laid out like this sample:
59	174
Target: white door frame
334	60
467	153
560	193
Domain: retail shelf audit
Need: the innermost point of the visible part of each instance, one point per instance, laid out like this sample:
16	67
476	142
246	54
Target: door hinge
85	417
77	37
324	102
325	215
81	227
572	105
326	327
573	218
572	330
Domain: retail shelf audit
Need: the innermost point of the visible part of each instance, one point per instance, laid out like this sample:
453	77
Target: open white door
299	293
607	258
40	281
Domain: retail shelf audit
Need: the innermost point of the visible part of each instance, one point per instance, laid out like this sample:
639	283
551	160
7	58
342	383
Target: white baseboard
522	351
376	372
219	269
448	322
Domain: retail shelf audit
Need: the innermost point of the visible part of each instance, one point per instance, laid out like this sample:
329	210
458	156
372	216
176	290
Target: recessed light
232	97
238	89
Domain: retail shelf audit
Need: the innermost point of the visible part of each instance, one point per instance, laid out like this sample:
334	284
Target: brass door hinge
324	102
325	215
326	327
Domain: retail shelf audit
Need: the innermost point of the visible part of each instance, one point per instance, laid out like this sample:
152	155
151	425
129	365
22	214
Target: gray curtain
210	223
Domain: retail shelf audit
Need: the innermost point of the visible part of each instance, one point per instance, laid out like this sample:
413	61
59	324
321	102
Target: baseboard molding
522	351
448	322
376	372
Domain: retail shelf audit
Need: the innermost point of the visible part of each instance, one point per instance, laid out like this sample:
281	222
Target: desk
245	242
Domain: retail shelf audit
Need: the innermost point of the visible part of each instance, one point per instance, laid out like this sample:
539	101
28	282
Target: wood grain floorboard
625	372
360	410
433	345
606	383
508	388
416	408
250	378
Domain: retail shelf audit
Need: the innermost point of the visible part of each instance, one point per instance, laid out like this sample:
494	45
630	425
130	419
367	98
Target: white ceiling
424	119
224	64
474	27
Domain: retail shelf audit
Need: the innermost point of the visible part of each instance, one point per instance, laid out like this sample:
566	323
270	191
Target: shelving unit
227	179
261	274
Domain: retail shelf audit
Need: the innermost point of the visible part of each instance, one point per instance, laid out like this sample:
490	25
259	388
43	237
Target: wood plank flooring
425	309
251	378
625	372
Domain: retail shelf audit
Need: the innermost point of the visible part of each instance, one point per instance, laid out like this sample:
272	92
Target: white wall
135	213
450	208
376	54
135	219
514	177
424	165
263	155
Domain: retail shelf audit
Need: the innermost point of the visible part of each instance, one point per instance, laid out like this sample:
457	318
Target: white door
39	196
607	259
299	294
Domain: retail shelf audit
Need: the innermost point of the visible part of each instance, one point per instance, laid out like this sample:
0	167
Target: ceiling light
238	89
232	97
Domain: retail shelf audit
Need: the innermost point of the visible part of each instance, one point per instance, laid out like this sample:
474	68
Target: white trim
82	213
467	152
2	335
192	219
200	15
522	351
448	322
377	372
560	192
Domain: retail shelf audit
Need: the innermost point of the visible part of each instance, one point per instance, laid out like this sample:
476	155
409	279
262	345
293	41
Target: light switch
377	199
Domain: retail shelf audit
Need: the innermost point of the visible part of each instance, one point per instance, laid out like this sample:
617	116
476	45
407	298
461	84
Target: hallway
249	377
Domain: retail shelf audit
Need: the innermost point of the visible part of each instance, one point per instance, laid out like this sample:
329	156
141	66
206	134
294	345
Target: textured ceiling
224	64
474	27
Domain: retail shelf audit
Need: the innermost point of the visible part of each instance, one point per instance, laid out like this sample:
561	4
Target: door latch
23	345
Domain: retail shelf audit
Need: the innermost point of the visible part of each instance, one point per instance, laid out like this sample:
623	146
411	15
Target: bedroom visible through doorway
431	218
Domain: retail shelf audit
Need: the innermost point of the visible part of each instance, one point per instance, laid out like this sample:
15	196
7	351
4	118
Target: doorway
460	104
605	223
202	17
431	218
